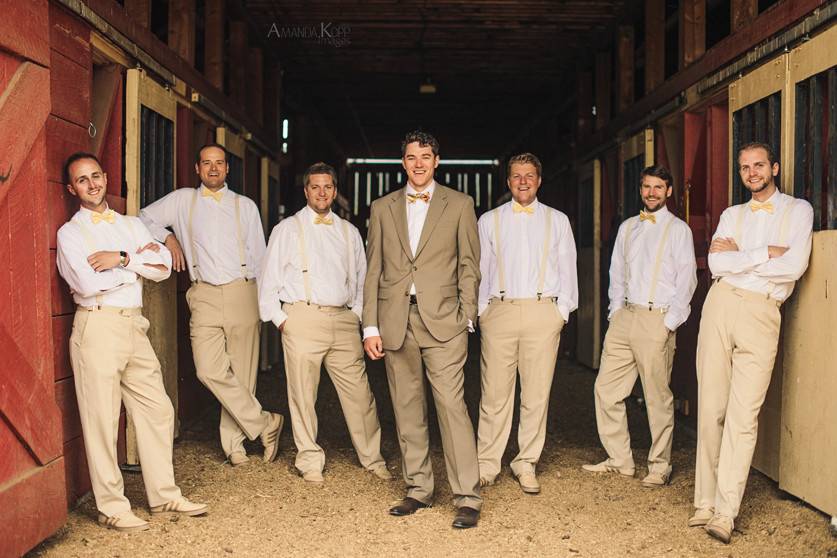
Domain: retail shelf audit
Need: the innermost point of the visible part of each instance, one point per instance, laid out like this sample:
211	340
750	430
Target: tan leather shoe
487	481
238	458
720	527
381	472
181	506
701	517
656	480
313	477
607	467
126	522
270	436
529	483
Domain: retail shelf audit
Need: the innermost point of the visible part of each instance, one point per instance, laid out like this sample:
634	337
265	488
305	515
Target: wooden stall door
150	168
808	442
588	342
32	494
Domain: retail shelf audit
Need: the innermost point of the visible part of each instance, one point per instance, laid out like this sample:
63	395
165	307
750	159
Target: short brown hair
77	156
657	171
320	168
424	140
525	158
771	155
208	145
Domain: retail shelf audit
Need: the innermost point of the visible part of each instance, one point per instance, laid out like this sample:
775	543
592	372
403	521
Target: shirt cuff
370	331
471	328
358	310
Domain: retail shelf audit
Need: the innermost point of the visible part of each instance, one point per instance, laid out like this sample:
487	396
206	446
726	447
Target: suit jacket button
415	268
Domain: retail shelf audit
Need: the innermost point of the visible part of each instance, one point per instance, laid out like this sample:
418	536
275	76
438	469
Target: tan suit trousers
637	343
737	344
314	336
113	363
225	327
516	336
444	362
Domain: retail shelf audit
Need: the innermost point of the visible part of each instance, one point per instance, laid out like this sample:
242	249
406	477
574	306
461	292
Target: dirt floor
268	510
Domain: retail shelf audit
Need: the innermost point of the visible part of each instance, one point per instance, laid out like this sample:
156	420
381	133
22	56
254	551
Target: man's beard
660	205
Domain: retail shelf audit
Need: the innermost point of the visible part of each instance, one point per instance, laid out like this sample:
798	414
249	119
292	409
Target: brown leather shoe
407	506
466	518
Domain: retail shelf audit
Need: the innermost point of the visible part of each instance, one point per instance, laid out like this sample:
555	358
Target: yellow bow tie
423	196
107	216
767	206
644	216
517	208
323	220
207	193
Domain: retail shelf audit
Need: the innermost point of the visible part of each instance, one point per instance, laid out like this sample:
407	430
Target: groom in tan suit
419	303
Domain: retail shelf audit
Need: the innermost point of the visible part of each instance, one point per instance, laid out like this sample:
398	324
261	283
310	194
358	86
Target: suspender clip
502	295
539	296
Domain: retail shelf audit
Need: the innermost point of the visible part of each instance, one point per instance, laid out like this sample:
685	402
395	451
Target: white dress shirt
522	237
215	229
750	267
119	287
677	277
416	215
281	277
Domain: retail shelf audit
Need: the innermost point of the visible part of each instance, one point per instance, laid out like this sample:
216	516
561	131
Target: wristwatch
123	258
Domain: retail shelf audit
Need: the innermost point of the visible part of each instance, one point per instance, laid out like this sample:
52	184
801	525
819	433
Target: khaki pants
737	344
444	362
224	327
637	343
113	363
516	336
314	336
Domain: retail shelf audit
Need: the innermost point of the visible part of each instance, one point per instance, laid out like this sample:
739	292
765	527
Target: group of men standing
430	274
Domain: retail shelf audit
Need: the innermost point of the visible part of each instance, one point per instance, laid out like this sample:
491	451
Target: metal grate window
585	214
156	156
759	121
815	150
235	176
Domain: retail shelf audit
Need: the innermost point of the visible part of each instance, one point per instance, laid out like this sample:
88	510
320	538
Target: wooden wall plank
255	85
602	83
16	460
692	31
139	11
39	498
70	89
63	139
62	327
62	301
67	33
24	30
65	398
742	13
76	473
584	103
214	19
181	37
238	63
625	69
655	48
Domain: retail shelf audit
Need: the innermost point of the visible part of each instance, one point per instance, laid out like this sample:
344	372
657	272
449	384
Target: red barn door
32	496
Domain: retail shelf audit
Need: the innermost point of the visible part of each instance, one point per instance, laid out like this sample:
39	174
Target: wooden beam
603	91
238	62
584	103
625	56
742	13
139	11
655	43
182	29
692	31
255	85
214	42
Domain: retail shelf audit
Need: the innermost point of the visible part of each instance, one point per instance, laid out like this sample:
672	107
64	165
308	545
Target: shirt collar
84	212
311	214
222	189
429	190
775	198
661	213
534	205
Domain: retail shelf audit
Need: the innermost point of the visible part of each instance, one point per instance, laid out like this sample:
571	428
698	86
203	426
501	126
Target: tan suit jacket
445	268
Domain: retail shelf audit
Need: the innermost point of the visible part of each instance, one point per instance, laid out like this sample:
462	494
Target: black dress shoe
407	506
466	518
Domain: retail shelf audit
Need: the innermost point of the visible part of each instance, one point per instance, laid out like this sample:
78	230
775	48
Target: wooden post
692	31
182	29
655	43
603	92
625	54
742	12
255	85
584	100
214	43
238	62
139	11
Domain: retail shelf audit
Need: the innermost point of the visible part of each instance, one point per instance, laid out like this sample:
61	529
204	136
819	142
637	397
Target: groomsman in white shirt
652	280
759	251
311	288
223	246
103	256
528	290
